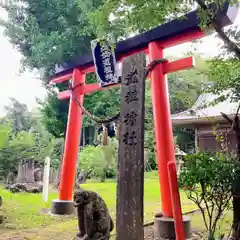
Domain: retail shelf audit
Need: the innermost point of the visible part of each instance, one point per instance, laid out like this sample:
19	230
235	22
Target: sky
26	87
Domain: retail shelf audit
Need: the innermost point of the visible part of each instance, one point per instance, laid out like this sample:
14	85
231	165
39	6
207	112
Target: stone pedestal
63	207
164	228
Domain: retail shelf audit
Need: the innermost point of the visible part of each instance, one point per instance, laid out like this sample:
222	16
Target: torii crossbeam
153	43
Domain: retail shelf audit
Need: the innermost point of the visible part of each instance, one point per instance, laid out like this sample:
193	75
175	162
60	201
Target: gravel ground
149	234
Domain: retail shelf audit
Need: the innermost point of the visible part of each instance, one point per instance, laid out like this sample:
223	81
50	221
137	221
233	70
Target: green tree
14	148
133	15
36	144
19	115
54	114
191	81
100	161
139	16
44	141
48	33
210	190
224	69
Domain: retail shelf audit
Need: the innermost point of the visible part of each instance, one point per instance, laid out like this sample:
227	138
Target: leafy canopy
137	16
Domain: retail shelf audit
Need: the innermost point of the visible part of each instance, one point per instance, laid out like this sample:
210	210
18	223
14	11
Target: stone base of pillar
63	207
164	228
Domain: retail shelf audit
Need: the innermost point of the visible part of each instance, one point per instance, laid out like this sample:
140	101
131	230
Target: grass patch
24	210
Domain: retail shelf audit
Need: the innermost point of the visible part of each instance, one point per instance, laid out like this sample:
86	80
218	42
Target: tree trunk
145	159
104	135
236	217
83	136
57	181
76	183
236	190
235	126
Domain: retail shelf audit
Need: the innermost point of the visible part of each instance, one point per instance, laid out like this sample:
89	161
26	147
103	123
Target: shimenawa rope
109	119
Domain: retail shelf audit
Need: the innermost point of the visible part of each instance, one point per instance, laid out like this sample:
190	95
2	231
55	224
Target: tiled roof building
205	117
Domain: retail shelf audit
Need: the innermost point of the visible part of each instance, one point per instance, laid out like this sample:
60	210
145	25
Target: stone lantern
179	155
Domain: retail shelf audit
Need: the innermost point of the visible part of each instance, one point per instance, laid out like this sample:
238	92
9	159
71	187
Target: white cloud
24	87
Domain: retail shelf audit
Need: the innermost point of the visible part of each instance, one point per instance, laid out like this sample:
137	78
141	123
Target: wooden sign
129	223
105	63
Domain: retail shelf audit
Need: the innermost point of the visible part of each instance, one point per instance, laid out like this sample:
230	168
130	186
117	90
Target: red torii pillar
72	138
163	125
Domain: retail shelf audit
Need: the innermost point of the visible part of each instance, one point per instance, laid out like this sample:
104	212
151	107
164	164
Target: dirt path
64	230
69	234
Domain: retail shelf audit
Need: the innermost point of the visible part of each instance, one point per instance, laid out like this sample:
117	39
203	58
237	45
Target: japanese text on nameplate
131	78
130	118
130	138
131	95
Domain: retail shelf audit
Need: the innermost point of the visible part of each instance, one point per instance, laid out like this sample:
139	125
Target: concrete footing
62	207
164	228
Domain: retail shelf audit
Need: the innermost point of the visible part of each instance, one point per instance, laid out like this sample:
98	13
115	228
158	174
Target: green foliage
57	151
149	135
19	115
54	114
207	180
138	16
24	125
185	138
14	148
189	81
5	133
225	73
47	32
100	161
132	16
102	103
192	82
22	137
224	69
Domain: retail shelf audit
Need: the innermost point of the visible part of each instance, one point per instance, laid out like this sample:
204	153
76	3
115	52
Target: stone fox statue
94	221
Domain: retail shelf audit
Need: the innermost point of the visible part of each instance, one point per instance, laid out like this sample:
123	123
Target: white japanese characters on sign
105	63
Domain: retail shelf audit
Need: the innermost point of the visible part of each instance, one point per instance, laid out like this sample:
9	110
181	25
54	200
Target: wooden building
206	119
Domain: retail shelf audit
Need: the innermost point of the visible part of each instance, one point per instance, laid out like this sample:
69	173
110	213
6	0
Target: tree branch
231	46
237	111
225	116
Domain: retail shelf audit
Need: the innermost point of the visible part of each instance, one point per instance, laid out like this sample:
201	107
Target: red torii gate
153	44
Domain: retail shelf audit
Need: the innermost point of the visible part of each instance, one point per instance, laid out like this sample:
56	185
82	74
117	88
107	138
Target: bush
100	161
207	180
14	148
